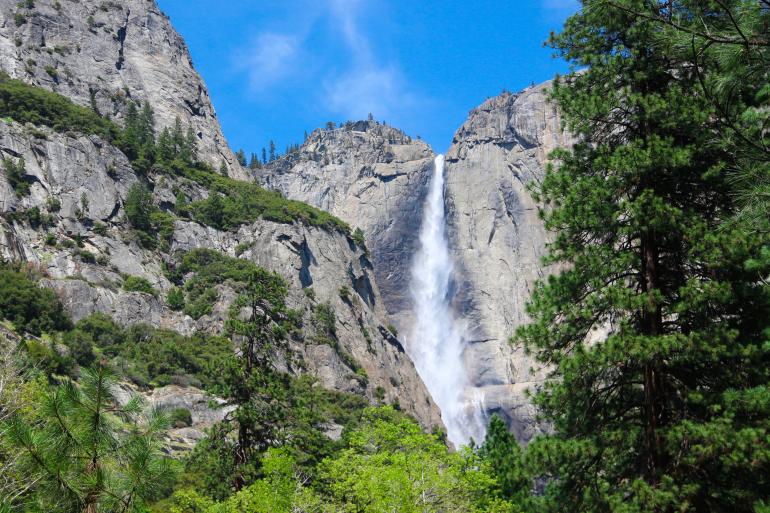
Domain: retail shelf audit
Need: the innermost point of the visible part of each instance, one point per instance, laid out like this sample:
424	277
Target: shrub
52	72
359	239
200	302
29	307
345	292
86	256
14	173
175	299
392	329
100	229
29	104
19	19
180	417
33	216
138	284
53	204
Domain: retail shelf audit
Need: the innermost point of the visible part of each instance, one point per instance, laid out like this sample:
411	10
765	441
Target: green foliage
28	104
81	452
180	417
44	357
139	207
501	451
139	284
386	463
175	299
230	203
52	72
325	322
150	224
149	356
209	268
360	240
233	203
655	413
53	204
345	293
728	45
14	173
137	140
389	464
30	308
100	229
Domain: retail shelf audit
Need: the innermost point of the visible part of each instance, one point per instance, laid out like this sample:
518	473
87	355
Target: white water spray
437	340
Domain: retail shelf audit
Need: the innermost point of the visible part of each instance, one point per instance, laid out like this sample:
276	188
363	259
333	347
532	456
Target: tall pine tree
654	329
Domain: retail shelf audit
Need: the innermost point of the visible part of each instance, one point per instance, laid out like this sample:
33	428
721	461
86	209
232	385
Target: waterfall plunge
437	340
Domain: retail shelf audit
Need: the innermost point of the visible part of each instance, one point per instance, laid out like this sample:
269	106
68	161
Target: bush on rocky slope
29	104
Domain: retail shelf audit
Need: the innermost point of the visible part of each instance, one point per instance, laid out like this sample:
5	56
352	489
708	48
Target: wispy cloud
271	58
368	86
379	90
359	82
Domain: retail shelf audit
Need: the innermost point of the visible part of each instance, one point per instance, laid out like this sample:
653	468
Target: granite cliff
376	178
72	223
498	241
107	55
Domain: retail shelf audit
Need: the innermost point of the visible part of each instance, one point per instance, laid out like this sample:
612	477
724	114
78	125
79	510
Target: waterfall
436	342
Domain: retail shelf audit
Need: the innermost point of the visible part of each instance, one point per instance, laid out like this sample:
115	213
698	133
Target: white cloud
358	82
272	58
367	86
381	91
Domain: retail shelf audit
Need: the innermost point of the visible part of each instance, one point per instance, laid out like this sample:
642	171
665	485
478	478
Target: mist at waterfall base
436	342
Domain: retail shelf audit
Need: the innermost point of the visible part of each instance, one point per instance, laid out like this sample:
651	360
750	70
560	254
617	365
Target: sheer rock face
71	168
498	240
103	54
106	53
375	178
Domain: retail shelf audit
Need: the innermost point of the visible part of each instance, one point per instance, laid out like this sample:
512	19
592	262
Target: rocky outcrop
497	241
72	226
104	54
375	178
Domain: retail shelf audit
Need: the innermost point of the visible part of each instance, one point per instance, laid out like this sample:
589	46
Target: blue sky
276	68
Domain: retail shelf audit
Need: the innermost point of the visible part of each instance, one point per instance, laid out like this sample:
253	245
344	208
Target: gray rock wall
497	240
375	178
70	168
106	53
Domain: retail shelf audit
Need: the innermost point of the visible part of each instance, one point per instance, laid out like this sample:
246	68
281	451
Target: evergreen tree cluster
657	327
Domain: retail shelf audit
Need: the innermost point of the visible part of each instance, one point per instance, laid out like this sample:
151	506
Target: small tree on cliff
250	381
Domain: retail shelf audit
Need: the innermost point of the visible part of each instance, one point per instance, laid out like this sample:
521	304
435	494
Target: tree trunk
652	325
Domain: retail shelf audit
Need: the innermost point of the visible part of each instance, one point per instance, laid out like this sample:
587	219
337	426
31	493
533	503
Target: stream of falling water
437	341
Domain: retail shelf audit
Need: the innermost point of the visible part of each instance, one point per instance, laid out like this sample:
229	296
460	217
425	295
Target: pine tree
240	155
501	450
139	207
223	168
272	151
251	382
728	44
190	147
254	162
81	452
654	327
264	156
